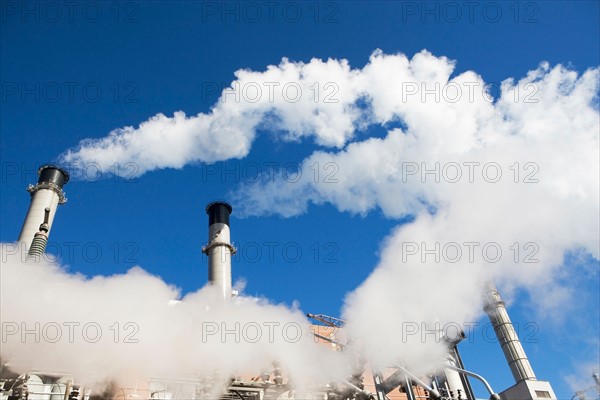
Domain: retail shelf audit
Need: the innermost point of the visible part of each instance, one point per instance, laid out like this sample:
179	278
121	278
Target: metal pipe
219	249
332	341
465	380
68	389
47	193
455	384
327	320
356	388
385	386
493	395
433	392
515	355
38	244
379	388
410	394
388	384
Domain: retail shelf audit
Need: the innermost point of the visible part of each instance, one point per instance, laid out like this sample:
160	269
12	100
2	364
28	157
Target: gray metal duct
507	337
219	249
40	239
47	193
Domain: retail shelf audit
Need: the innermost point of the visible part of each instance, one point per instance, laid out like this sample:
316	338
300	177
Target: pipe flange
206	249
51	186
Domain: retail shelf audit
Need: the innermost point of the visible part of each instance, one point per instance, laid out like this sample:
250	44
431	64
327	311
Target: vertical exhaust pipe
507	337
47	193
219	249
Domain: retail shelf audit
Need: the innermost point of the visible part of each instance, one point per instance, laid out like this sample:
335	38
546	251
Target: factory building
394	382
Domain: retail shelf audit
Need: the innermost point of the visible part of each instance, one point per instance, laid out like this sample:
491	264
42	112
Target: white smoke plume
516	174
128	326
292	98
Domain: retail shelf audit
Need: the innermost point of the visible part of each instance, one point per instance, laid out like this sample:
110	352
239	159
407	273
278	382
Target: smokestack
507	337
219	249
47	193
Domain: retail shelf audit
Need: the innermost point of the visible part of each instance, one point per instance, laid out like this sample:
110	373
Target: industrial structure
368	382
46	196
526	385
219	249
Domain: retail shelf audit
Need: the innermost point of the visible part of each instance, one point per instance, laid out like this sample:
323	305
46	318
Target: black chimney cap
218	212
52	173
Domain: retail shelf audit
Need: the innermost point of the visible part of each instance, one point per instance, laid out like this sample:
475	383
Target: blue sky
127	61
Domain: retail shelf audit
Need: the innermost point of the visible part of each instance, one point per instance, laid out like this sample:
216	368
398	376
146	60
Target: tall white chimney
219	249
527	387
47	193
507	337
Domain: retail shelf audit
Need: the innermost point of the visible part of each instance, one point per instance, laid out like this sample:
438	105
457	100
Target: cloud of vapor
301	100
128	327
498	189
499	185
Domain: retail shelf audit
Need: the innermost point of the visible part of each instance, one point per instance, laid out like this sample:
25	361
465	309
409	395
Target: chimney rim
56	167
219	202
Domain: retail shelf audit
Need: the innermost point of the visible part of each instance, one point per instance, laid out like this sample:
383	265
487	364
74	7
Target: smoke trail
127	326
513	171
302	100
502	189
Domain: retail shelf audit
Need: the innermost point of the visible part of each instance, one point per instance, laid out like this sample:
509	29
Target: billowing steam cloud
498	190
498	187
129	326
314	100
